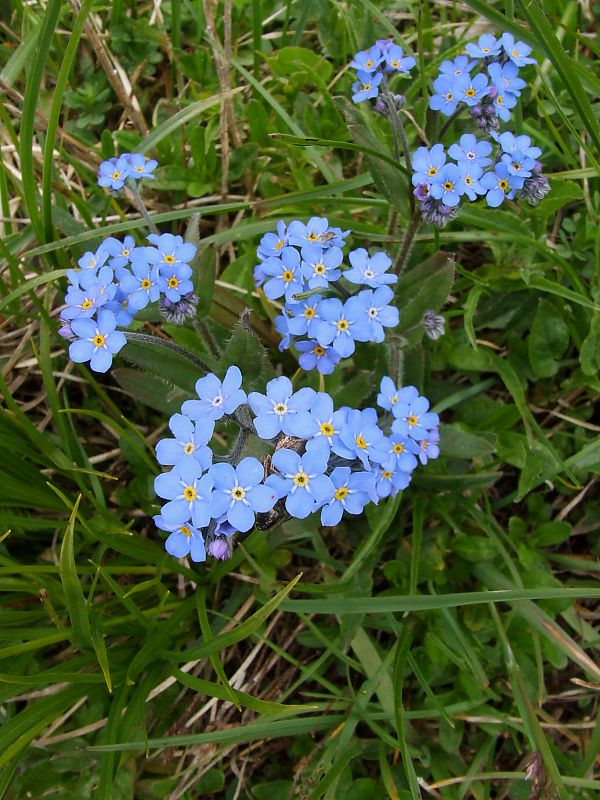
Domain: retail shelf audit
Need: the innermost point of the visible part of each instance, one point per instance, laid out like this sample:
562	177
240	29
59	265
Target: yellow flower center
485	49
398	448
279	245
432	171
424	444
412	420
99	340
470	92
280	408
516	166
468	180
394	399
146	284
173	282
318	350
313	237
387	474
395	63
366	87
139	169
87	304
341	493
503	185
516	54
125	252
185	530
449	96
238	493
369	63
301	479
320	269
189	448
342	325
361	442
448	186
169	259
116	175
327	429
309	312
288	276
500	100
190	493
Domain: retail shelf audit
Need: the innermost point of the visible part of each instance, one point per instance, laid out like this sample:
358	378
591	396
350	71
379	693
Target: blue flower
388	394
183	540
174	281
120	252
238	492
98	341
471	90
113	173
426	163
336	326
189	493
389	482
281	324
412	415
172	249
190	442
366	87
486	47
119	306
304	316
396	453
359	436
396	61
511	144
518	164
505	78
518	52
429	448
352	493
470	150
88	263
141	284
445	185
319	266
372	312
282	410
272	243
285	276
502	103
216	398
447	93
367	60
140	167
313	354
95	289
460	66
500	184
302	480
329	422
369	270
314	231
468	180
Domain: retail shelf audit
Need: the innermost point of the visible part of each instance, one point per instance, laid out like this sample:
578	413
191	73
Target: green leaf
426	286
548	340
589	355
385	175
245	351
151	390
76	604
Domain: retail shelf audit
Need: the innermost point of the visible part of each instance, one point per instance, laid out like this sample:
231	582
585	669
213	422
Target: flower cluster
119	279
508	168
373	64
302	262
325	460
113	174
489	84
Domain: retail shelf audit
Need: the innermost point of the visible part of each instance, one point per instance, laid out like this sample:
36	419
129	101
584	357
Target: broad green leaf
424	287
589	355
548	340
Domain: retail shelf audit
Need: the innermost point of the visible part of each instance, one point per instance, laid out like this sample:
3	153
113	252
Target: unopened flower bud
220	548
177	312
434	325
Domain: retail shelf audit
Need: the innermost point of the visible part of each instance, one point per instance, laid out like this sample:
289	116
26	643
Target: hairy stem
139	203
407	243
207	334
398	136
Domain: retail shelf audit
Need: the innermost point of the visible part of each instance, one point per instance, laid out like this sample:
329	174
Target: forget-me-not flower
412	416
301	479
369	270
97	341
282	410
486	47
352	493
313	354
190	442
518	52
471	150
216	398
184	539
239	492
188	491
366	87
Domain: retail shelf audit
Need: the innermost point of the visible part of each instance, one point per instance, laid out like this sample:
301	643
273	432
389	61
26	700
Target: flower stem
141	207
407	243
398	136
456	113
208	336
